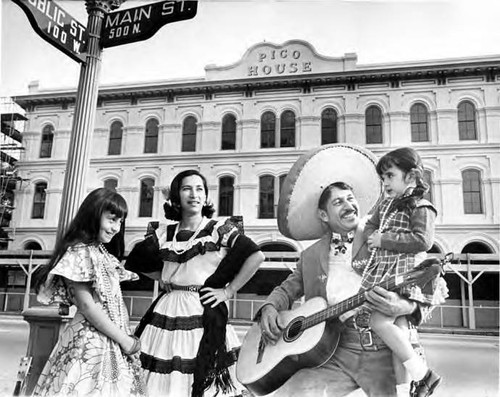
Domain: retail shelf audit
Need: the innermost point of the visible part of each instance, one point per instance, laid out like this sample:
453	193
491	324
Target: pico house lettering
140	23
276	62
56	26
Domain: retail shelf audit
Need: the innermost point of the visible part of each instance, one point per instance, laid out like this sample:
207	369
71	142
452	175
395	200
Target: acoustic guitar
311	335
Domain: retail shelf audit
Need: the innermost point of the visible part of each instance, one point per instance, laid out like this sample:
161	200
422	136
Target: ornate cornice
489	69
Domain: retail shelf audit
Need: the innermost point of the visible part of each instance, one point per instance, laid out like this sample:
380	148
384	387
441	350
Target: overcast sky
378	31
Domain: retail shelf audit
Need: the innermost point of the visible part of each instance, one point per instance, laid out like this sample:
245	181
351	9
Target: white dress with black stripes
170	341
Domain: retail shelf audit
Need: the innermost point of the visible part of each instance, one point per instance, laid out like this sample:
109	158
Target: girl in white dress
96	355
187	346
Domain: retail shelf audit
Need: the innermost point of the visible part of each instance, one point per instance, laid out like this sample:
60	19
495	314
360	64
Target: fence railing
468	267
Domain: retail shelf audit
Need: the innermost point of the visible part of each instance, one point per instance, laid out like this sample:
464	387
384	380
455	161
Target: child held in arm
399	233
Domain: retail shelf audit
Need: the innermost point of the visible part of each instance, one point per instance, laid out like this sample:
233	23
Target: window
32	245
228	132
328	126
467	121
266	197
471	186
287	129
115	138
271	133
147	196
39	200
267	130
373	120
226	196
151	136
111	184
189	134
47	139
419	117
428	180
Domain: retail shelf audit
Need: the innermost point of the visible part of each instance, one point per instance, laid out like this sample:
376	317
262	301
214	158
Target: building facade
244	125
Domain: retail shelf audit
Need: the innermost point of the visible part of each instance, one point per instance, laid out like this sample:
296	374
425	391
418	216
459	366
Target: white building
244	125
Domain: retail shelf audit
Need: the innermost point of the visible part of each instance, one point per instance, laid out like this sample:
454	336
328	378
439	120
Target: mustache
348	212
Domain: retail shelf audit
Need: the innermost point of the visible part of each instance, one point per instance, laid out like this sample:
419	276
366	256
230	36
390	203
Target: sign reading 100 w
56	26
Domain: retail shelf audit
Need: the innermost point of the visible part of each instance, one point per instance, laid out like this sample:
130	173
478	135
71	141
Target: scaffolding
12	124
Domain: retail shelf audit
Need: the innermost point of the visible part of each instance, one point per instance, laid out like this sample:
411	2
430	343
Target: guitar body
264	368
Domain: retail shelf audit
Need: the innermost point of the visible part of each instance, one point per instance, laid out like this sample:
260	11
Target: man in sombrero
323	197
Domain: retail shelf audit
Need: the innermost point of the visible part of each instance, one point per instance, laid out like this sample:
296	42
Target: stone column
74	190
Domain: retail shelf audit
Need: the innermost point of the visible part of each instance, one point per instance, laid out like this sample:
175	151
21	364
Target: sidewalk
15	317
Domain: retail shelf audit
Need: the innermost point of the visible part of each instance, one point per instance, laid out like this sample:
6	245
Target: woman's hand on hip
214	296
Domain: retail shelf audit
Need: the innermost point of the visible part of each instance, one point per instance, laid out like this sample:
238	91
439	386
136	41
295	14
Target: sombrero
312	173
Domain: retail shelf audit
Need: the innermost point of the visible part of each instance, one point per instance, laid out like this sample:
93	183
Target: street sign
140	23
56	26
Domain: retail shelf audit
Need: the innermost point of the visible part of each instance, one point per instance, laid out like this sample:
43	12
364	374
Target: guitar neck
342	307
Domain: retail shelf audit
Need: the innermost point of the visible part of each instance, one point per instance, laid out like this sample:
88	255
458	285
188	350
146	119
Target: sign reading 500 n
140	23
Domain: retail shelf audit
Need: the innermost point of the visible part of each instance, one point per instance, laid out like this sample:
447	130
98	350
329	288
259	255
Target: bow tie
339	241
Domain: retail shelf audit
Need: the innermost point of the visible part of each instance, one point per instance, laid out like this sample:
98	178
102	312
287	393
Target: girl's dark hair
173	208
326	193
407	160
85	227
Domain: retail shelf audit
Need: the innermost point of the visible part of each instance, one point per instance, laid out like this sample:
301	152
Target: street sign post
56	26
140	23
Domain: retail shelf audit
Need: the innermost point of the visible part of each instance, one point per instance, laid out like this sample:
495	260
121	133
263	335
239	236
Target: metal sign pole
74	190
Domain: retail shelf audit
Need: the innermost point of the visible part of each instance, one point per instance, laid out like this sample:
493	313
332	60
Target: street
469	364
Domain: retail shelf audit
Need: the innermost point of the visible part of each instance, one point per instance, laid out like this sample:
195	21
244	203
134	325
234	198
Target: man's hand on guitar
389	302
270	324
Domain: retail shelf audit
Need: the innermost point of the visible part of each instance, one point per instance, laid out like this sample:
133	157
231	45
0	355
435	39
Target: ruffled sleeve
228	231
145	256
75	265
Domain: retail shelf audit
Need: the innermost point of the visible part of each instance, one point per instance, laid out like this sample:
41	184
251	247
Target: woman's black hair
407	160
173	209
85	227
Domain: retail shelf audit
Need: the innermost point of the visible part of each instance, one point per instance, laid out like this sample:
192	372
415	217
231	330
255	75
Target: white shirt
342	282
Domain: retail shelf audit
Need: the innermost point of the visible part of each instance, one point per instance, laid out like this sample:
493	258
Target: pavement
468	360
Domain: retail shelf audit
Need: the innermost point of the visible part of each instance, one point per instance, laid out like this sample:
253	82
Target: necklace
383	225
186	244
113	301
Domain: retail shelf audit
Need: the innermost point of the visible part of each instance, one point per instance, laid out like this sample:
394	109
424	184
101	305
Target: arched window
266	197
147	196
428	179
287	129
115	138
189	134
47	140
111	184
328	126
228	132
39	200
467	121
419	119
373	120
471	187
32	246
151	136
268	130
226	196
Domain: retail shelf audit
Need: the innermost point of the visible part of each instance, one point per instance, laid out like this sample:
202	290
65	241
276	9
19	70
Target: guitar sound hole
293	330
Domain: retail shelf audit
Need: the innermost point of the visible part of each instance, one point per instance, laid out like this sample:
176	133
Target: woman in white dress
187	345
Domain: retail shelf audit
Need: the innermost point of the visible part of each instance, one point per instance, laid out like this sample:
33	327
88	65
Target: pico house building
243	126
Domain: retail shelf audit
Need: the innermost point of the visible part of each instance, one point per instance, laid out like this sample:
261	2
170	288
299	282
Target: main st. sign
140	23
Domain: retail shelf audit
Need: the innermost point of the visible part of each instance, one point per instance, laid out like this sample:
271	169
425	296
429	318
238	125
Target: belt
190	288
358	331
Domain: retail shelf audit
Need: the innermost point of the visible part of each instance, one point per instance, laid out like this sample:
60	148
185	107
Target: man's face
341	211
